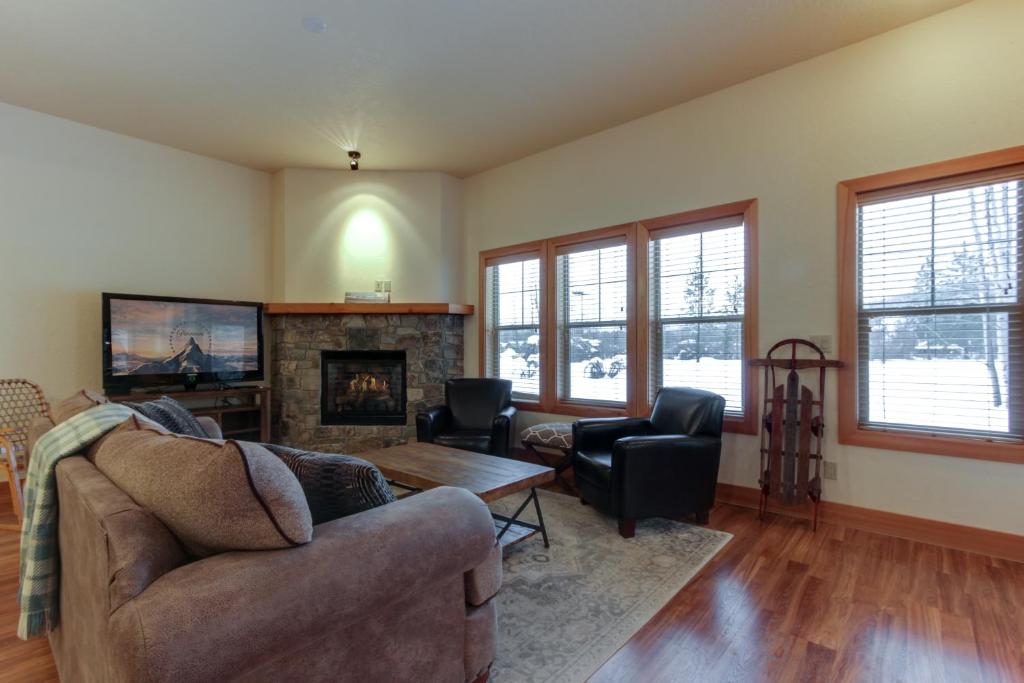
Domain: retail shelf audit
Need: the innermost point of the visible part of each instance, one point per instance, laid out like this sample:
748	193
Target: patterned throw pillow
170	415
335	485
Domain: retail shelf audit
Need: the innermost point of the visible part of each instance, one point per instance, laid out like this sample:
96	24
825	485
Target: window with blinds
939	340
697	312
513	325
593	292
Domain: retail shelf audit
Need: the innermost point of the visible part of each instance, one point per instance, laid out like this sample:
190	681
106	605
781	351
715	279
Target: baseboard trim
956	536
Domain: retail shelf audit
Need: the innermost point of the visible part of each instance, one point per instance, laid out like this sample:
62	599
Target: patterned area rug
564	610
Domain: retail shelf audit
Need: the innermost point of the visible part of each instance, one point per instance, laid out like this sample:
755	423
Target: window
697	309
936	341
593	323
513	324
593	292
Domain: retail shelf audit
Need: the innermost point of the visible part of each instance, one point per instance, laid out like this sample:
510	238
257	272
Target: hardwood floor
19	660
779	603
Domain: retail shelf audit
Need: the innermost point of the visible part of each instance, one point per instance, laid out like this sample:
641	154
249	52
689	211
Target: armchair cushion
595	467
431	422
466	440
688	411
601	433
475	402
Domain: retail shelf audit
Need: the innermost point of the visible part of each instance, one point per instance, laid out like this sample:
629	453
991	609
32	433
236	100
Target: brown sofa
402	592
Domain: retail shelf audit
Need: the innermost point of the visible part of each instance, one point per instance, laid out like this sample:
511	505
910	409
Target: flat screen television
151	341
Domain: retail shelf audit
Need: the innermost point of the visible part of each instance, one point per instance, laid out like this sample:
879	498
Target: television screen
152	340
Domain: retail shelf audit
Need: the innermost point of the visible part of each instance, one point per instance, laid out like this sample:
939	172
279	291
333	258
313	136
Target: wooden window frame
637	236
850	430
689	222
493	257
584	408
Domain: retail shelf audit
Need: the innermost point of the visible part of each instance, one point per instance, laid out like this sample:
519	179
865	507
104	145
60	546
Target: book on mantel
367	297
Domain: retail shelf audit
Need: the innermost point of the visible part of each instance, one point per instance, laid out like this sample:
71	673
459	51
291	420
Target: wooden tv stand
242	412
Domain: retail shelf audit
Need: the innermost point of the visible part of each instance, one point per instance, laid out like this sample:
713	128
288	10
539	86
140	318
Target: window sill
528	406
958	447
741	425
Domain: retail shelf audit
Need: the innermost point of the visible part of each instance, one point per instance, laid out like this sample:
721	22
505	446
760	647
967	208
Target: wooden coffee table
417	466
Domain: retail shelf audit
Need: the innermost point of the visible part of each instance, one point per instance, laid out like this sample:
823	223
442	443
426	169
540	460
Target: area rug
564	610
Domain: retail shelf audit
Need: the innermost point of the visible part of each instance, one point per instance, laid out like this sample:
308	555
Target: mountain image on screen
189	359
182	338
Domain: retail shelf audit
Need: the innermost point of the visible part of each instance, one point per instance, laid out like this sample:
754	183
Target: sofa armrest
210	426
431	422
601	433
501	431
253	605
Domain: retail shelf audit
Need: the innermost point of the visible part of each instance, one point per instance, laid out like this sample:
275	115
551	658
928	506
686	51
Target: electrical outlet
387	286
824	342
829	470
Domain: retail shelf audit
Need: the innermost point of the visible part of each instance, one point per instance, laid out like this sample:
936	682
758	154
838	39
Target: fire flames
368	383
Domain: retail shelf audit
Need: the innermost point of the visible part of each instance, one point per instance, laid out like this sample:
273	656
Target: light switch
824	342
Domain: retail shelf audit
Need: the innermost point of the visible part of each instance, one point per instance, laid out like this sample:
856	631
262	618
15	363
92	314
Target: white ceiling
451	85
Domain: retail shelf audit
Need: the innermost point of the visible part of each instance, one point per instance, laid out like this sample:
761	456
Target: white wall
84	211
944	87
338	231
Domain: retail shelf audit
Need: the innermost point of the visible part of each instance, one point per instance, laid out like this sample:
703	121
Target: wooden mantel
343	309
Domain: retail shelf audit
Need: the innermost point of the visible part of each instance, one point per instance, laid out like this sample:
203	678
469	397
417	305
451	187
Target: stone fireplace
308	404
362	387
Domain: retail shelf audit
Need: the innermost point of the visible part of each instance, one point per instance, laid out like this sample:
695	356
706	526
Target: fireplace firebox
362	388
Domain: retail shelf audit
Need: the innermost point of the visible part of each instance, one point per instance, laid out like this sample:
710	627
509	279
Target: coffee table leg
514	519
540	517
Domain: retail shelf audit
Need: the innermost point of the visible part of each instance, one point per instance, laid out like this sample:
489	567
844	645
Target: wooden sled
793	426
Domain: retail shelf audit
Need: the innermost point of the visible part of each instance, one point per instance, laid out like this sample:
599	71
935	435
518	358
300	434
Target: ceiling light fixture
353	160
314	24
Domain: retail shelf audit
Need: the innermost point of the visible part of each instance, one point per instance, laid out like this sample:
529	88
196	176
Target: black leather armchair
662	466
477	416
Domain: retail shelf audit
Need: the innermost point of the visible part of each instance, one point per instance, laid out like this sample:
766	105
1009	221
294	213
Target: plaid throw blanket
39	587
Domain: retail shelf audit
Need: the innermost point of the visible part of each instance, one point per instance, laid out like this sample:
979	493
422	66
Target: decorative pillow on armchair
335	485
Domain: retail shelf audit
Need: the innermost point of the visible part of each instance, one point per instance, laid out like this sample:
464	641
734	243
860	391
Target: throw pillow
170	414
215	496
335	485
40	425
73	405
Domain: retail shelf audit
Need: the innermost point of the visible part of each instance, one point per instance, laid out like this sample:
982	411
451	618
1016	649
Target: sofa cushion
484	580
76	403
171	415
215	496
335	485
480	639
39	425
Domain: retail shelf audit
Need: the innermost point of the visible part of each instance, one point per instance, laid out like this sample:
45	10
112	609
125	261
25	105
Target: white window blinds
939	308
592	326
697	312
513	325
